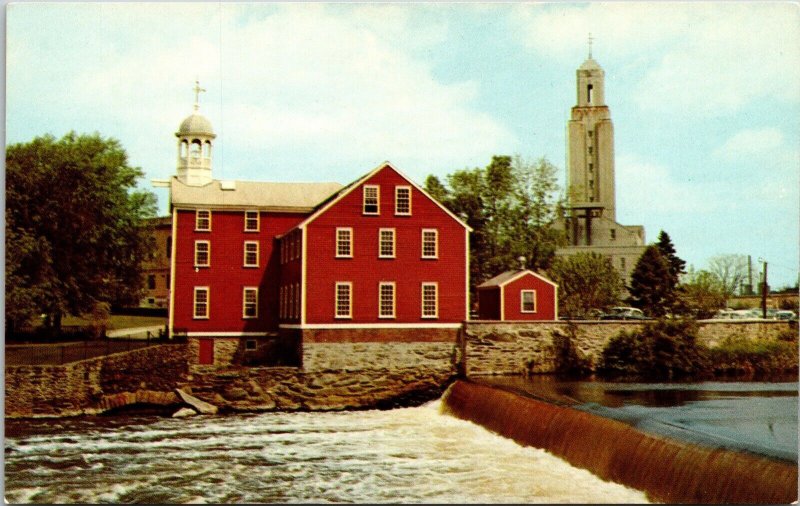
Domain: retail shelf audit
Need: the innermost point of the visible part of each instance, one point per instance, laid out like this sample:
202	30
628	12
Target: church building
259	268
590	221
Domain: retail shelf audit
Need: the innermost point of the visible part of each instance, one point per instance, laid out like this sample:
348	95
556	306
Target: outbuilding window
372	199
527	301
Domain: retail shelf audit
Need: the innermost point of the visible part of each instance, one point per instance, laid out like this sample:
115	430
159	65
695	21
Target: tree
75	229
701	294
652	289
730	270
667	250
586	281
510	205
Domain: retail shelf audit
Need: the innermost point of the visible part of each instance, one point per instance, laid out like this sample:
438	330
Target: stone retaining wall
511	348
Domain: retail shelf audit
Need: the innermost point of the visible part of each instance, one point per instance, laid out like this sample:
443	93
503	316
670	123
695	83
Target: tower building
195	138
590	221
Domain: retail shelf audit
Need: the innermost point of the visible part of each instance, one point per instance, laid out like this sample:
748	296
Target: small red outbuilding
518	295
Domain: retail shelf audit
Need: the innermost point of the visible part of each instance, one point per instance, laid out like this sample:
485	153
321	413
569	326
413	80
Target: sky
705	97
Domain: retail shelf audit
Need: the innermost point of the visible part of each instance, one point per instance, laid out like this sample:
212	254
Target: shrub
569	360
741	356
661	350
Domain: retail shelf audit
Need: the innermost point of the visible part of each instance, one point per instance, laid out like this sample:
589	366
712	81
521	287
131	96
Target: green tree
586	281
652	289
700	294
75	229
510	205
676	265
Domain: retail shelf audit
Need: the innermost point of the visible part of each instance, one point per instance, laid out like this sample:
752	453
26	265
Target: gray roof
274	196
195	124
507	276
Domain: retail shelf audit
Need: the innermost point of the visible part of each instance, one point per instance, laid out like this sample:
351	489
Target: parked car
624	313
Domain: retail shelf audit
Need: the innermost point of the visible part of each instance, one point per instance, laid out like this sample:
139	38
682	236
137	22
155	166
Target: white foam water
411	455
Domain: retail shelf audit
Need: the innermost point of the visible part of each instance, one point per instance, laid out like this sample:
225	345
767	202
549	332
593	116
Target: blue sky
705	97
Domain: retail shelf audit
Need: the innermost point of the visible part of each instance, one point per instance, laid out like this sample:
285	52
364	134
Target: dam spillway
667	469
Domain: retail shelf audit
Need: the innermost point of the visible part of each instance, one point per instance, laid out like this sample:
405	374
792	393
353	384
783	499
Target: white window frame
522	301
258	221
380	243
435	286
349	285
349	230
393	285
197	219
207	291
397	200
435	243
208	253
377	189
250	243
245	290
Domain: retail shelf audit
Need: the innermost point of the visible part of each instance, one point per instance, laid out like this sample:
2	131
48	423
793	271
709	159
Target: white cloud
750	143
706	58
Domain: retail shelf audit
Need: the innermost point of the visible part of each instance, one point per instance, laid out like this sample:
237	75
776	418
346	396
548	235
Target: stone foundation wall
511	348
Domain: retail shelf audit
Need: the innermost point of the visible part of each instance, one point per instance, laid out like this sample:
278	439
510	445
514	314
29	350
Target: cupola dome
195	124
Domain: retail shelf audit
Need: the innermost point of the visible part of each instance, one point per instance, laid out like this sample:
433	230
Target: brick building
156	271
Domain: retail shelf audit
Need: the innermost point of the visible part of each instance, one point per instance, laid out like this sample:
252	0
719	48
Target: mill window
344	243
386	243
201	299
202	220
402	200
430	300
386	305
343	299
250	302
430	243
251	221
371	199
251	253
202	254
528	301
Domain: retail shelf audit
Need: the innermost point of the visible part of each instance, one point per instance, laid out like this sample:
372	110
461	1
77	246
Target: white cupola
195	137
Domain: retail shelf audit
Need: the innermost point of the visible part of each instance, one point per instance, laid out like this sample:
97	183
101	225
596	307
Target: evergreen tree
652	288
676	265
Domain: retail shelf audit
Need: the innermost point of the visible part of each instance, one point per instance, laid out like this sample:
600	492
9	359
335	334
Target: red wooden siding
545	299
365	270
227	276
206	354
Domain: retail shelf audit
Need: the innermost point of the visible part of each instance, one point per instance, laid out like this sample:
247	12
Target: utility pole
764	288
749	289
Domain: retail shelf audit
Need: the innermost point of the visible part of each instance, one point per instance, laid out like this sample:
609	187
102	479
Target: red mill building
261	267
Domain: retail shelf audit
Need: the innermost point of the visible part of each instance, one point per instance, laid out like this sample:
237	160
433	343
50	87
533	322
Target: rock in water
184	412
201	406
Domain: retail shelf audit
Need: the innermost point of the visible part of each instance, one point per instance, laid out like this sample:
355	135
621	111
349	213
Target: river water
408	455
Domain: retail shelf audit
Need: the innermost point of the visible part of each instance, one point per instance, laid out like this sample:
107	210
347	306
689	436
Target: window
622	263
589	89
250	345
527	301
202	254
251	253
297	300
613	234
430	243
151	282
289	301
202	220
590	134
344	243
371	199
590	150
591	167
251	221
386	243
386	299
169	247
201	296
343	299
250	302
402	200
430	300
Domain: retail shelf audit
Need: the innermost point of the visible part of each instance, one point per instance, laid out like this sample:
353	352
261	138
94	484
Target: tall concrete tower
590	222
195	137
590	145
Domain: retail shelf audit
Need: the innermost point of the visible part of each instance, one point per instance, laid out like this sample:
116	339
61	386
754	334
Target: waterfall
667	470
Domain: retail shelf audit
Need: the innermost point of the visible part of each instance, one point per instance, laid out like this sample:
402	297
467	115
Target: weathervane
197	90
590	44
